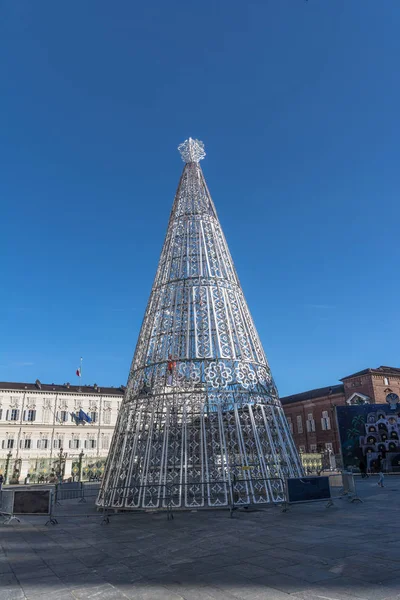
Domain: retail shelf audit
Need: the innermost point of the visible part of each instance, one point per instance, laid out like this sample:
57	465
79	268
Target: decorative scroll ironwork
201	406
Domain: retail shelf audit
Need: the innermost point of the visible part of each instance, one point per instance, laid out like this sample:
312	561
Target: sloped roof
379	371
66	388
314	394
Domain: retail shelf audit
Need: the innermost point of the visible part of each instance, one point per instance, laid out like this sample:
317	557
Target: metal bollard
82	499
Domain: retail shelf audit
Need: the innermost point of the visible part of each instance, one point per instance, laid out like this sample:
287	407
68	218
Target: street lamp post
80	465
9	455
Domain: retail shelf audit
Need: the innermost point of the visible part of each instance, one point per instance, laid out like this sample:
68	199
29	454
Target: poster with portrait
369	434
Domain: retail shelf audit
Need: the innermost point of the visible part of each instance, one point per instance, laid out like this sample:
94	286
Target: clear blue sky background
298	106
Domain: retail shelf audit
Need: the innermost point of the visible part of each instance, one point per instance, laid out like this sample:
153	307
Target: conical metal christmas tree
201	420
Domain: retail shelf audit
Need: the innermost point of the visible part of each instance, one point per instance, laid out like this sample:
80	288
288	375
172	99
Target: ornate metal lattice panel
201	424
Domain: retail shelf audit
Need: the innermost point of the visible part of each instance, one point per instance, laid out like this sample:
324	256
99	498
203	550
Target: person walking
363	468
1	481
379	469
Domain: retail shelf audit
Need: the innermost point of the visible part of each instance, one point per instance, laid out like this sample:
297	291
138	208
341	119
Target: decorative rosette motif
264	377
218	374
245	375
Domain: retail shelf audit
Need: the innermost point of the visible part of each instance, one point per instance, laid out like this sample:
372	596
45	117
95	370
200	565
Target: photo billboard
370	433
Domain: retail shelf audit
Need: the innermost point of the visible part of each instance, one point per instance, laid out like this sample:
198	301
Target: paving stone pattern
345	552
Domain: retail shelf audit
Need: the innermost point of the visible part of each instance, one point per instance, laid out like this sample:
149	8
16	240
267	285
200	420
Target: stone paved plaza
343	552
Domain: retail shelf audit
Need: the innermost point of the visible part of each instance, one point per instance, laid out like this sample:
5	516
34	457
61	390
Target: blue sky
298	106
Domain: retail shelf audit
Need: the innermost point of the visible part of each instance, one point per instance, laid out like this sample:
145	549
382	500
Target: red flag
78	372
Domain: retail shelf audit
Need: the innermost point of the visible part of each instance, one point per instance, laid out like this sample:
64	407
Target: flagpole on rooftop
79	374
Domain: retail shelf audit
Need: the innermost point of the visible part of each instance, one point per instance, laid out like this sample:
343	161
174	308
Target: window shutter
3	443
328	423
70	443
34	415
17	415
38	443
24	415
7	414
85	443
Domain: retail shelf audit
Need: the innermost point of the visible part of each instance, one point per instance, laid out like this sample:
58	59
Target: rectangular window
90	444
25	444
313	447
9	443
57	443
13	415
299	424
30	415
107	417
329	446
325	421
63	416
310	422
93	416
289	420
386	380
302	448
105	442
74	444
43	444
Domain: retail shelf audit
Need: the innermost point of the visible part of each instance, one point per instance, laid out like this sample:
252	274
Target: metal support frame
200	402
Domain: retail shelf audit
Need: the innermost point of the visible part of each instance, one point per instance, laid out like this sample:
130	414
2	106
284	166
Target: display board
31	502
6	501
307	489
370	437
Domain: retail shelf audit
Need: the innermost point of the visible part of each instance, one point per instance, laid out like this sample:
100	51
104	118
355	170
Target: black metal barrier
74	490
80	491
80	500
308	489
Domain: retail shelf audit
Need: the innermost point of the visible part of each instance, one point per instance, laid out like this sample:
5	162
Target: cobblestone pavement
343	552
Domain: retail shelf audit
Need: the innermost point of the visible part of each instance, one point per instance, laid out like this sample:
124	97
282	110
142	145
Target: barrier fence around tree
75	500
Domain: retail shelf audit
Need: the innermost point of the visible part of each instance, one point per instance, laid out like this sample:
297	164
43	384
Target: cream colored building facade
37	426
